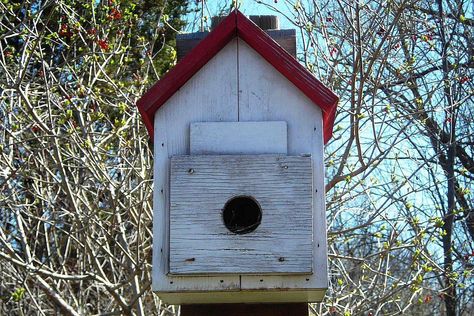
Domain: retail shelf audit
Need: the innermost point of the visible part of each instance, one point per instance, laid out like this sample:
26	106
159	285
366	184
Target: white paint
200	243
217	138
210	96
257	296
266	95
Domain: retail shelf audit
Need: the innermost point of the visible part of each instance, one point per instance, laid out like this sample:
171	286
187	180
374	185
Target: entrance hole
242	215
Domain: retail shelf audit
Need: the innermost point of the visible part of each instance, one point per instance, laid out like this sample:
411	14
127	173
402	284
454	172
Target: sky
247	7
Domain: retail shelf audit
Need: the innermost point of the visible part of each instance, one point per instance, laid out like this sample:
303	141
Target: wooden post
290	309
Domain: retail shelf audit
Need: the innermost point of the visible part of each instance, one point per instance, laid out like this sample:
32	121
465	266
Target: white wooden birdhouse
238	127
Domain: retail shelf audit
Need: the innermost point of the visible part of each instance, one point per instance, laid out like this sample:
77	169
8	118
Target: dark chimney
268	23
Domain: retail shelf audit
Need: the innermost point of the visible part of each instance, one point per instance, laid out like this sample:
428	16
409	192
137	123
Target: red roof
236	24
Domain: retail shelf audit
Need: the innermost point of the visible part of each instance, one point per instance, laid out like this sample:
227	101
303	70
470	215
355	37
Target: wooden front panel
200	187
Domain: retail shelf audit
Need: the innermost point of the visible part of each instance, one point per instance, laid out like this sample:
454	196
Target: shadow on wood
293	309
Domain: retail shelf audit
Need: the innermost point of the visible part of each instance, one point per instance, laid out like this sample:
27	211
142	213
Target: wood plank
200	187
177	77
211	138
290	68
236	24
294	309
210	95
255	296
266	95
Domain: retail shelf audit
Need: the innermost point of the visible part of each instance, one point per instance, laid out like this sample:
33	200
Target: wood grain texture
201	54
264	96
294	309
255	296
210	138
211	95
290	68
237	25
200	243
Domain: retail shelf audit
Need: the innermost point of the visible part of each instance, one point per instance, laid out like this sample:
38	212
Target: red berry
64	31
115	14
103	44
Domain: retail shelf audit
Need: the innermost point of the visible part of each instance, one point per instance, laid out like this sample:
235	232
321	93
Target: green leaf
18	295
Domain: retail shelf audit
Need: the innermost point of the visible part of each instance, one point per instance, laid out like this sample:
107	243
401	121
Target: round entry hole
242	215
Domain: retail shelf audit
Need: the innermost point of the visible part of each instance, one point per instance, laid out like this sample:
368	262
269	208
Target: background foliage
75	161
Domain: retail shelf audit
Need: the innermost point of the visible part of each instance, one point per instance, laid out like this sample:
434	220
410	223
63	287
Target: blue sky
248	7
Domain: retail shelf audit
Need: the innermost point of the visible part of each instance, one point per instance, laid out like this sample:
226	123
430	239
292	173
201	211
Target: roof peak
238	25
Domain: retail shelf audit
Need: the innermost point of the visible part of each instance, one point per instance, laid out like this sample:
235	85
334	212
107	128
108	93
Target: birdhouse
238	127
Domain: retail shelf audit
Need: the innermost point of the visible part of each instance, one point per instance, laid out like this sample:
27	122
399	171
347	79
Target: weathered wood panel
266	95
210	95
200	243
238	138
253	296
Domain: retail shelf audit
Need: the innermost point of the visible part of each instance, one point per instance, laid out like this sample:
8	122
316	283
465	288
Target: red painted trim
236	24
172	81
289	67
328	123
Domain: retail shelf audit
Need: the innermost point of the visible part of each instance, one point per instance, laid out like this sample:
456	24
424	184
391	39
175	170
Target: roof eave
236	24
